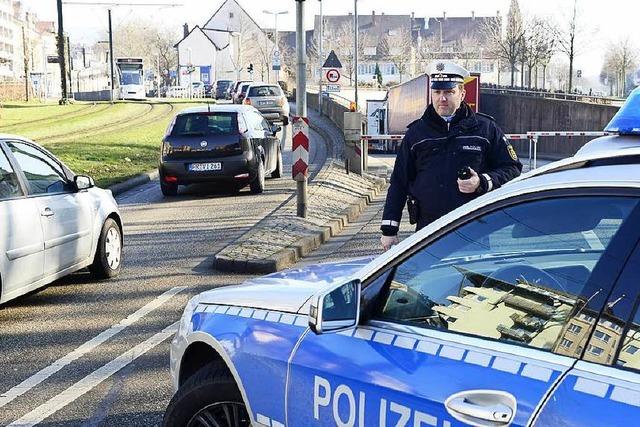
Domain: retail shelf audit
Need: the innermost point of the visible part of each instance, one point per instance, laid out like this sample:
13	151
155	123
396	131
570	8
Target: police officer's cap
446	74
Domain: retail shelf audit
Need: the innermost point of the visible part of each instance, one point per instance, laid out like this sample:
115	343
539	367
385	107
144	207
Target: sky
602	22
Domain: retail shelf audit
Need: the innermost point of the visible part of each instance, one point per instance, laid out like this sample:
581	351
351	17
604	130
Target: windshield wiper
492	255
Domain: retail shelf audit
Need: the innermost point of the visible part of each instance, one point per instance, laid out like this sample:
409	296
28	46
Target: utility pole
320	56
70	66
25	51
301	107
111	58
355	47
61	56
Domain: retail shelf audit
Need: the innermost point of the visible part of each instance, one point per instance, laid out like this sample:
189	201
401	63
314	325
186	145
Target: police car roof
12	136
218	108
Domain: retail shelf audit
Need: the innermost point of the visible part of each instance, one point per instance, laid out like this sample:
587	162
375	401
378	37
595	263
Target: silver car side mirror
83	182
336	309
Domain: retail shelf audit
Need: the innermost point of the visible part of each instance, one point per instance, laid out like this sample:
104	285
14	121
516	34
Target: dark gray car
269	100
222	89
228	145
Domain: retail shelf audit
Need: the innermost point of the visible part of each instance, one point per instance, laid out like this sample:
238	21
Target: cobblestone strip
335	198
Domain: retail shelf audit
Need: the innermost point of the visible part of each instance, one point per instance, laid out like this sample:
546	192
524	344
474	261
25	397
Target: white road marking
92	380
85	348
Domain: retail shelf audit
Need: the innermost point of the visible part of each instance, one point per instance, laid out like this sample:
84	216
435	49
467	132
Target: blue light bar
627	119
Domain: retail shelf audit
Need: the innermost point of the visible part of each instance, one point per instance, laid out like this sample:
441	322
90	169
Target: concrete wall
521	114
100	95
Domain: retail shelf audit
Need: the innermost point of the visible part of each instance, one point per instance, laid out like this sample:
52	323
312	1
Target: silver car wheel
113	248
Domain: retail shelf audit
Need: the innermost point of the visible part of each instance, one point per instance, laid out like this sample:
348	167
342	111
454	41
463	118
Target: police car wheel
107	261
209	398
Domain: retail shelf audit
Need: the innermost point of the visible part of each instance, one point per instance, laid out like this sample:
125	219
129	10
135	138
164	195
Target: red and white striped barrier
374	137
300	147
568	134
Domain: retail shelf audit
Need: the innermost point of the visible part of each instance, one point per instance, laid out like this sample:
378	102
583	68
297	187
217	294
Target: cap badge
440	66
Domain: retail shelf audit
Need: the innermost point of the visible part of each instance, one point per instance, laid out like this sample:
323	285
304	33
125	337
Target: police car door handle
475	406
47	212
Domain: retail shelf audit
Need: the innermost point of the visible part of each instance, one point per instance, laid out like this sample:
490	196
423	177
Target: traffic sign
333	75
276	61
332	88
332	61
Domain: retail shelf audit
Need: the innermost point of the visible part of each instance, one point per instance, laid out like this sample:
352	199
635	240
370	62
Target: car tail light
166	148
247	101
281	101
170	179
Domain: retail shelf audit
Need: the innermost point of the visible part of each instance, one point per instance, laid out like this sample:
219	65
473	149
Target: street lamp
275	30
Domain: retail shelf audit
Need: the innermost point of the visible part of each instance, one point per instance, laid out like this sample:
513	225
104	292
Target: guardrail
389	144
605	100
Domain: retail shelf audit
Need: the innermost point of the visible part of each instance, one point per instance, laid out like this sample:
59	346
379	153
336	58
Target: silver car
269	100
53	221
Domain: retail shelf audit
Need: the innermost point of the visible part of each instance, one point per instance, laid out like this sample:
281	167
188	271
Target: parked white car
53	221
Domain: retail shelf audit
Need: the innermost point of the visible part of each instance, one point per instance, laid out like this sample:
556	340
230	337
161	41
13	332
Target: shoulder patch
487	116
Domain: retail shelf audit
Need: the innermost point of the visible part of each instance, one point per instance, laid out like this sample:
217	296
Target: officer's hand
469	185
388	241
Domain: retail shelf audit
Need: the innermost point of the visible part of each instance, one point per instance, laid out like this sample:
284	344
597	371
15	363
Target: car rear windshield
264	91
244	88
202	124
224	83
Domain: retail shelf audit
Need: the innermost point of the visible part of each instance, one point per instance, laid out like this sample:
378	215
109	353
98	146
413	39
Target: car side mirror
83	182
336	309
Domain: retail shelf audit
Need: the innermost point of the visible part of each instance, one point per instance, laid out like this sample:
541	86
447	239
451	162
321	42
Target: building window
631	349
596	351
230	15
602	336
566	343
574	329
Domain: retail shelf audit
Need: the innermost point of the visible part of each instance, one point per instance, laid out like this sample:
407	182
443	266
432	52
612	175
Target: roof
220	39
457	28
376	26
218	108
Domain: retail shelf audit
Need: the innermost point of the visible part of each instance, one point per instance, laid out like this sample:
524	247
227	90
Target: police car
519	308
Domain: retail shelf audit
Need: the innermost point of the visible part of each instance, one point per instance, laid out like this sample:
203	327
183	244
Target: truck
388	118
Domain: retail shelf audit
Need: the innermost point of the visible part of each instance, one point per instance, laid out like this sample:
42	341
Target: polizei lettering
350	409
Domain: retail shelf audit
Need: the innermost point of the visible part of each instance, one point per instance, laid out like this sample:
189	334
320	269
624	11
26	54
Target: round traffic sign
333	75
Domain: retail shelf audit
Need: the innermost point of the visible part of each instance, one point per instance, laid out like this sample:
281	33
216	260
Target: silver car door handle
475	406
47	212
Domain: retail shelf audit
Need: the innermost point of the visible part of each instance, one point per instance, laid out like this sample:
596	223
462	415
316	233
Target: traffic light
250	68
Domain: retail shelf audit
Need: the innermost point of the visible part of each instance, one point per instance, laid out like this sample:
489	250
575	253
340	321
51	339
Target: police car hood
286	290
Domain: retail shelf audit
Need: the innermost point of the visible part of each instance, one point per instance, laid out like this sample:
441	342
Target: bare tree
620	59
506	45
397	47
428	50
567	38
537	47
342	43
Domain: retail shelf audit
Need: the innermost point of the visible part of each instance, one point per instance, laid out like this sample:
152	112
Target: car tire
277	172
257	185
107	261
211	393
285	120
168	190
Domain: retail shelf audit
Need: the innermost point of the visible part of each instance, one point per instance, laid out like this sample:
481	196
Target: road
86	353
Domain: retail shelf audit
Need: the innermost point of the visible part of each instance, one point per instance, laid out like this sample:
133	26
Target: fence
604	100
390	142
14	91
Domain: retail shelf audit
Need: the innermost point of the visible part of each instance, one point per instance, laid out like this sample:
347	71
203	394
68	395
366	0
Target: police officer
448	157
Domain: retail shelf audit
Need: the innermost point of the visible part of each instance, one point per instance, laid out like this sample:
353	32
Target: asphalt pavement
86	353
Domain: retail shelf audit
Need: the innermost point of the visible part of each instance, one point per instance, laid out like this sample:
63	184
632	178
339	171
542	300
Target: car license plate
204	167
264	102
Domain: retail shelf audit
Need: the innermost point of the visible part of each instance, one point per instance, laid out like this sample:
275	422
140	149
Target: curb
141	179
305	245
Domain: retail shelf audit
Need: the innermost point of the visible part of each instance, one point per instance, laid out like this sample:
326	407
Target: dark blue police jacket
430	155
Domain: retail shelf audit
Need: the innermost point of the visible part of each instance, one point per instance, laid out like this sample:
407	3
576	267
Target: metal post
159	76
111	58
275	30
70	66
320	56
301	96
25	51
535	153
61	57
355	48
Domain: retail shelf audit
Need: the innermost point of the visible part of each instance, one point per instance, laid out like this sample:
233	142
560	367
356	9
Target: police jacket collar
464	117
